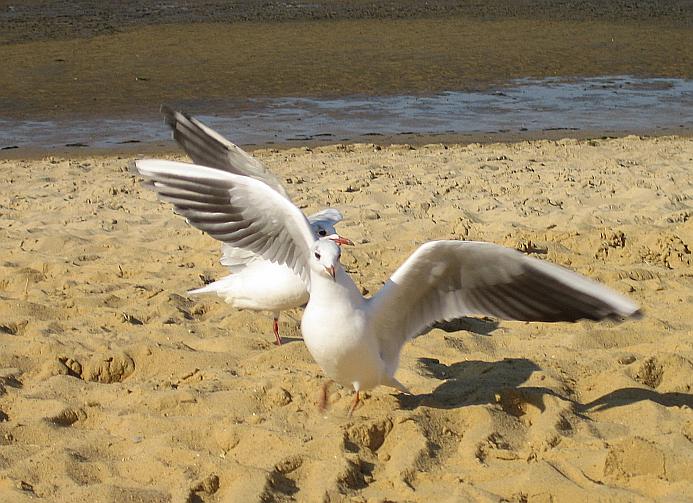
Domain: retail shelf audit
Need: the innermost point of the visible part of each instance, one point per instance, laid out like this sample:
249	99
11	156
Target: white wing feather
445	280
238	210
237	259
207	147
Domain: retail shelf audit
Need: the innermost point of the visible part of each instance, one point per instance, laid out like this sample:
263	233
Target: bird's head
325	229
322	228
324	257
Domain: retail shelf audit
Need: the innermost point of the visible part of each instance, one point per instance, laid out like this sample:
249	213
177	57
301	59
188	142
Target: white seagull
258	284
357	341
255	284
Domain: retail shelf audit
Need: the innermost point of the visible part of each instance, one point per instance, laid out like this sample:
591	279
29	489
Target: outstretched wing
239	211
444	280
208	148
321	223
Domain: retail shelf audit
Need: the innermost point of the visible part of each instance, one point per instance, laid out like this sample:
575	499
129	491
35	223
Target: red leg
354	403
276	331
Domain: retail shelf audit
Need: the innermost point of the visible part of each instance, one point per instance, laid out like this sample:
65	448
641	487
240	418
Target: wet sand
117	386
57	64
546	109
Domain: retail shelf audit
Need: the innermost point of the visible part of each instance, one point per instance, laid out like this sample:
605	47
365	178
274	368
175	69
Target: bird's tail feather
205	289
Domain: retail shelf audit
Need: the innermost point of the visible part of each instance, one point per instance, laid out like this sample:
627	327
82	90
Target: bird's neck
326	289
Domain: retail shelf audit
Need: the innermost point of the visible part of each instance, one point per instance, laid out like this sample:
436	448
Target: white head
322	223
322	228
325	229
324	257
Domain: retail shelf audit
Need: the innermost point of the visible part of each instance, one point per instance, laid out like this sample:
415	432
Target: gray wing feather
445	280
240	211
208	148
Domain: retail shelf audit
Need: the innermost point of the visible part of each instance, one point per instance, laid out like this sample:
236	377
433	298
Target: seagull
255	284
357	341
258	284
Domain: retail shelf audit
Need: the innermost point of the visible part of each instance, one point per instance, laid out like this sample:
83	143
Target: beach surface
115	385
90	59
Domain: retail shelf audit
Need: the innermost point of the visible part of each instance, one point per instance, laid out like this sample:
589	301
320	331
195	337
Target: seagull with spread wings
255	284
355	340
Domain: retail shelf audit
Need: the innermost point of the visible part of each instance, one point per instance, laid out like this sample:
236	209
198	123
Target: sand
116	386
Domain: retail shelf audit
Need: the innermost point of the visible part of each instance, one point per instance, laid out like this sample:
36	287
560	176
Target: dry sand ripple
115	386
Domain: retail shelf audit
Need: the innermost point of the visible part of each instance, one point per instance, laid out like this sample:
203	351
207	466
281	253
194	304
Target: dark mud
32	20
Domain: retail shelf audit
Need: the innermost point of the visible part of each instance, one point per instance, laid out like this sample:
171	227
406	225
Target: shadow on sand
627	396
479	382
480	326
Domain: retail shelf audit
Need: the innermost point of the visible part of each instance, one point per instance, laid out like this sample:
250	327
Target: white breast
335	330
261	286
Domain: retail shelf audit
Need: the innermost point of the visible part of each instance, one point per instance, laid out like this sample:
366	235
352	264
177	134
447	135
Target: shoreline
523	109
170	148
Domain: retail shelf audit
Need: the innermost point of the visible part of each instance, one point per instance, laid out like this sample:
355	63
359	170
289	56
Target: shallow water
94	74
613	105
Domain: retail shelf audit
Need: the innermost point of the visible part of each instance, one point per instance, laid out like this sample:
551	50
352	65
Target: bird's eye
322	232
317	255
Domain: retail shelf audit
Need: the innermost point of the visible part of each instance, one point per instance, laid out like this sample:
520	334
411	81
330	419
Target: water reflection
617	105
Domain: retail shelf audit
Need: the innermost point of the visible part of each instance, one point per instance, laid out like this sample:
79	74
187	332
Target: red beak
340	240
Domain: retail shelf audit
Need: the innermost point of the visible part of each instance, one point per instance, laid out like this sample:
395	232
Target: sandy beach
117	386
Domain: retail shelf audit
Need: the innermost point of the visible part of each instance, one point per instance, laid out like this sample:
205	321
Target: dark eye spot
317	255
322	232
